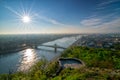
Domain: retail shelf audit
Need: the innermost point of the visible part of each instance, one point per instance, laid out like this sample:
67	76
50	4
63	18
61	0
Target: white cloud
112	25
117	9
108	2
97	25
90	22
53	21
105	4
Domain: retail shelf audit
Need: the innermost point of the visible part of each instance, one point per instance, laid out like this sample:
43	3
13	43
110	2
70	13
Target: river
23	60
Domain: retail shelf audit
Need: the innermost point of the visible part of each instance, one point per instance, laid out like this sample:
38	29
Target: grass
101	64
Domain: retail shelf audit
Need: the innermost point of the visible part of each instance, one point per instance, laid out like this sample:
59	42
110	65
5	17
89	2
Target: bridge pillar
36	47
55	46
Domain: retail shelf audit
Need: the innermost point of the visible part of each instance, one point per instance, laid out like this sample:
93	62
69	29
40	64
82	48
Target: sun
26	19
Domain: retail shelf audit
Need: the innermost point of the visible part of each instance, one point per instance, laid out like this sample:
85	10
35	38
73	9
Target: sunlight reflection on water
23	60
28	59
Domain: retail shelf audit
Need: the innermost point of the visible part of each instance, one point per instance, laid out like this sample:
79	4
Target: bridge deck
53	46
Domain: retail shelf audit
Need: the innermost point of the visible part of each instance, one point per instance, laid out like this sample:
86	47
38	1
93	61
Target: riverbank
101	64
29	56
95	67
14	43
13	51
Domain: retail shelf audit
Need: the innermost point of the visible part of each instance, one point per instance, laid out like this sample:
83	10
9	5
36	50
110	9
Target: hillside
101	64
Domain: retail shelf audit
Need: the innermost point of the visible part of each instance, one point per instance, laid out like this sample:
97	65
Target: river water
23	60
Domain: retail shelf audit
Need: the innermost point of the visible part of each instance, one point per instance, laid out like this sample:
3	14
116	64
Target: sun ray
15	12
29	11
26	18
22	8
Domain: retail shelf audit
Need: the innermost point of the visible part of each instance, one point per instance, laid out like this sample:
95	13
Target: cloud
53	21
107	2
90	22
102	22
117	9
114	24
104	27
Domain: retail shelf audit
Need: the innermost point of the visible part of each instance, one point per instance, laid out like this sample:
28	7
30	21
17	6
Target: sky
59	16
